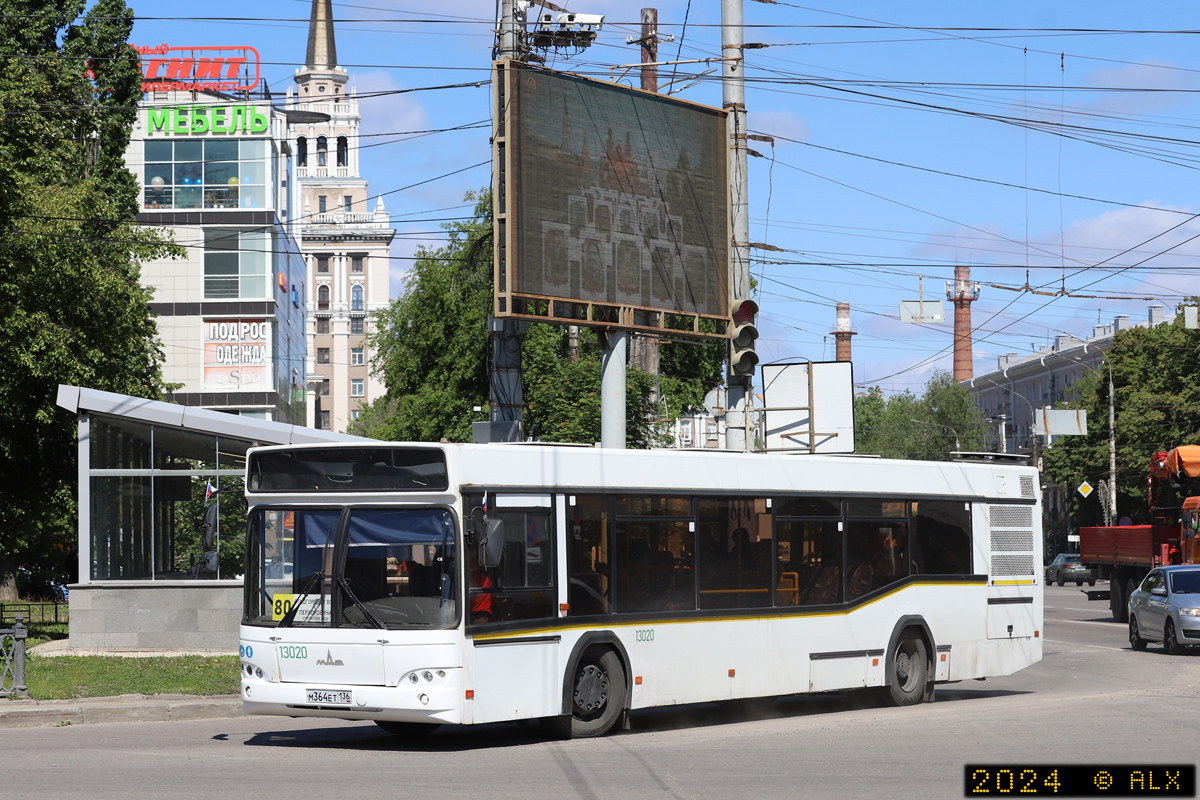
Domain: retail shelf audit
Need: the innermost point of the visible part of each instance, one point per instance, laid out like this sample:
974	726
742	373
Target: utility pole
506	389
734	102
645	346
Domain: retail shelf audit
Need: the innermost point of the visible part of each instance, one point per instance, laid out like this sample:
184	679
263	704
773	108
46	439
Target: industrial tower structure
962	293
843	331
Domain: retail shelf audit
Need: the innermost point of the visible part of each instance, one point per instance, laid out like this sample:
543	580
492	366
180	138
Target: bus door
511	606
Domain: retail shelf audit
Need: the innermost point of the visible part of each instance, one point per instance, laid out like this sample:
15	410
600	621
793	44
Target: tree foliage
927	428
432	351
71	307
1156	400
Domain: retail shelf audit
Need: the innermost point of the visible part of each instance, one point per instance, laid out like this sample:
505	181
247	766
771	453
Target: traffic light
742	358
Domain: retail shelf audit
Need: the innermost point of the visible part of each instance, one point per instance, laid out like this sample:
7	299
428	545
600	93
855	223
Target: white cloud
778	123
1149	74
387	113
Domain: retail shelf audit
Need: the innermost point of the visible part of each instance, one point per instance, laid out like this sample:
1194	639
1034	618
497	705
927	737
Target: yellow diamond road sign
1085	489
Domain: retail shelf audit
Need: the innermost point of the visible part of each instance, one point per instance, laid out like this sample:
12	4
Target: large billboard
612	205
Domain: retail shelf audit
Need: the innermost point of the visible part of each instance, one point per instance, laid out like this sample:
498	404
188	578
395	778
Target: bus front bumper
437	701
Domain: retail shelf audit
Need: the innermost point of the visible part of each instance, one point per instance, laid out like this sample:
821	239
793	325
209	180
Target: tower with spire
345	234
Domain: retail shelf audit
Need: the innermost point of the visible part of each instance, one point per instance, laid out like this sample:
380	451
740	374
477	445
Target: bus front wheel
597	696
907	685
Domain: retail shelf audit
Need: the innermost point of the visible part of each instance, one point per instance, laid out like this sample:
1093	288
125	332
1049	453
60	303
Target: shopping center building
215	171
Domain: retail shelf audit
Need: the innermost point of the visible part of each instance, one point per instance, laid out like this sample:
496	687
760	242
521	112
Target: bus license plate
323	697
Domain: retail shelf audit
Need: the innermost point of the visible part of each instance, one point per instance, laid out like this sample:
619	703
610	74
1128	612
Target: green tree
1156	399
433	348
71	307
927	428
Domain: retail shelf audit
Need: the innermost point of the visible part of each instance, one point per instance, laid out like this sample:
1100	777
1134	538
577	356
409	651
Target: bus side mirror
208	530
491	546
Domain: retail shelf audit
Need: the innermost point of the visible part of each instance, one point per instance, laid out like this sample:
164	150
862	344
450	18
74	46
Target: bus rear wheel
907	684
597	696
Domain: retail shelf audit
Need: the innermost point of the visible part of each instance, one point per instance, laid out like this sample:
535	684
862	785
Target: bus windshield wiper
316	579
345	584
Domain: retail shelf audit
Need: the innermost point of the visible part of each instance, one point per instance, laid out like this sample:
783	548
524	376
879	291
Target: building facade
344	235
215	170
1008	395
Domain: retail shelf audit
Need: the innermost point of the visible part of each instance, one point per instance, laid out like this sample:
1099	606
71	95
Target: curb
124	708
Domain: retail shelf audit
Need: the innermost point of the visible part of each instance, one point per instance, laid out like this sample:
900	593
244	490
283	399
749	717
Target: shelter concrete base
155	616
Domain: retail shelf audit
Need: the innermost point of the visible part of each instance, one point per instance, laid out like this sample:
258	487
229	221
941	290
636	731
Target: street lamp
957	446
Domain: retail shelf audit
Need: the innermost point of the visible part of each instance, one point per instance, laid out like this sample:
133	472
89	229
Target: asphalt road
1090	701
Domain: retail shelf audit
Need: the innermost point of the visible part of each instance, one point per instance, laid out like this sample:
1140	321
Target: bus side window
655	548
876	555
733	555
522	586
589	591
808	562
941	537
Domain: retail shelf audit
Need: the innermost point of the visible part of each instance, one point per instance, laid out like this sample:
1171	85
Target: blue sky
895	137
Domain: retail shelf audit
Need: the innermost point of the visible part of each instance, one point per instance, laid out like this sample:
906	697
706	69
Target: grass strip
77	677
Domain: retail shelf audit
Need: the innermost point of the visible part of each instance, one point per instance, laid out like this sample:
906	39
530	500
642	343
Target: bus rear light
470	694
732	672
875	662
1036	634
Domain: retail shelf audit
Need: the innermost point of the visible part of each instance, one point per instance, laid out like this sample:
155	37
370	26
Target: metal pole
612	390
734	102
510	42
649	342
1112	448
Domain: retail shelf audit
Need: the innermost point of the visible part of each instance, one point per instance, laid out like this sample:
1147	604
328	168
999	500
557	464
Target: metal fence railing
12	646
35	613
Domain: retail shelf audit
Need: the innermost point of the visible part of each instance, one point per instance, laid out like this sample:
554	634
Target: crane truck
1124	554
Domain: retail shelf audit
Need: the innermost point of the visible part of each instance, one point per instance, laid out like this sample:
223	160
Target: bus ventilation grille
1012	545
1027	487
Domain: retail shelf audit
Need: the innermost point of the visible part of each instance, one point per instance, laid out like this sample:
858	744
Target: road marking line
1081	644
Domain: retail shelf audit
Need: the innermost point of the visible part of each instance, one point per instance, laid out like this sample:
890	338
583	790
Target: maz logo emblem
329	660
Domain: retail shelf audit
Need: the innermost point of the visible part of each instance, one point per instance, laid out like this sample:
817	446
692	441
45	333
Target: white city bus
418	584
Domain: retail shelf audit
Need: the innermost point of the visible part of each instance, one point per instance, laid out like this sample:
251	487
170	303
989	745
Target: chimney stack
962	293
843	332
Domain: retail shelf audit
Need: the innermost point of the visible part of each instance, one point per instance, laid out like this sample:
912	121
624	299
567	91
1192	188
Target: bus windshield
365	568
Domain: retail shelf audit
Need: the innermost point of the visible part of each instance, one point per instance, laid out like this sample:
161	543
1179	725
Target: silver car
1166	608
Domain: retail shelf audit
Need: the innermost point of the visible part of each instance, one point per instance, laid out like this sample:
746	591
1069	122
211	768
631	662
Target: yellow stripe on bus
483	637
1028	582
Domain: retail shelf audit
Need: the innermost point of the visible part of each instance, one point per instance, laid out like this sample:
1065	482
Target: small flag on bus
209	491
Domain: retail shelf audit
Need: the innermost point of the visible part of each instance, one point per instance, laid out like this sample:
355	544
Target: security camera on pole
743	359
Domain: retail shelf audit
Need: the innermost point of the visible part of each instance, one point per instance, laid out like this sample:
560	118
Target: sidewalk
124	708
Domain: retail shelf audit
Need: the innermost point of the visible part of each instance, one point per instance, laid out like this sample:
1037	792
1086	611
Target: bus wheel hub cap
591	689
902	666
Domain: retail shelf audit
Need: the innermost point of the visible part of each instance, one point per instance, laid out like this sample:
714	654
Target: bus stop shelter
144	469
